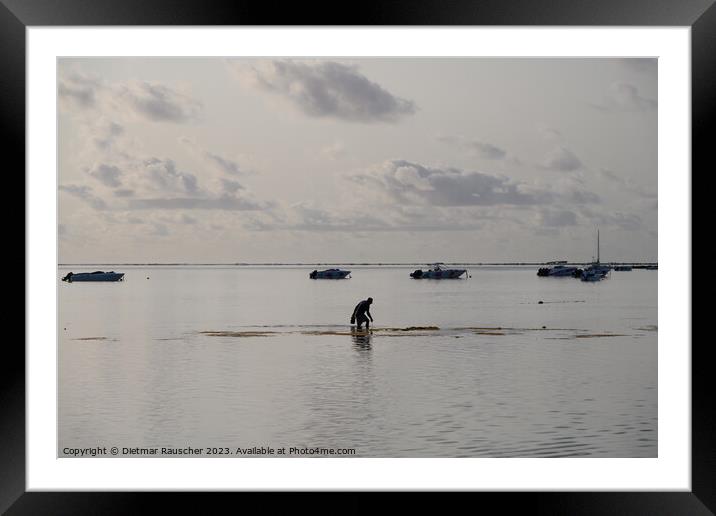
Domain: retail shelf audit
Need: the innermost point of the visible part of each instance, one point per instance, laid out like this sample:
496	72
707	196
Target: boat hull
441	274
94	276
557	272
329	274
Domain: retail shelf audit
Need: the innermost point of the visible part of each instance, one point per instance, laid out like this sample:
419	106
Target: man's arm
368	314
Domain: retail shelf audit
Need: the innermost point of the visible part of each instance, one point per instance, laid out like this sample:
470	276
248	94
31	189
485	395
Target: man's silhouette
361	314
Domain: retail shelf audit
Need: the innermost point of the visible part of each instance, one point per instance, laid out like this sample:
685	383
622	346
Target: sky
329	160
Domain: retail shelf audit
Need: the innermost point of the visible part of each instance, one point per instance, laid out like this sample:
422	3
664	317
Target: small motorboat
94	276
438	272
557	271
595	272
330	274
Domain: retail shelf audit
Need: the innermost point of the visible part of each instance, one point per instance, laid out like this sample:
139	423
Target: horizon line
354	263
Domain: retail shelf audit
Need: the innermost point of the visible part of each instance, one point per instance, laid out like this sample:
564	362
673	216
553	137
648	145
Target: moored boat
595	271
557	271
329	274
94	276
593	275
438	272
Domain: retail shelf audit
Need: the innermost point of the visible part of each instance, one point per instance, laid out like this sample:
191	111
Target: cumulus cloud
218	162
75	89
561	159
231	186
159	184
480	148
158	102
165	176
107	133
328	89
625	97
108	175
148	100
412	183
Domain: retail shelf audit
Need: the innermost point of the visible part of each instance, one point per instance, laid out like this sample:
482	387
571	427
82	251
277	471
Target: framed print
414	250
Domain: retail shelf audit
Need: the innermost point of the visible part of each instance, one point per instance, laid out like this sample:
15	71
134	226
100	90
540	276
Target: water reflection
361	339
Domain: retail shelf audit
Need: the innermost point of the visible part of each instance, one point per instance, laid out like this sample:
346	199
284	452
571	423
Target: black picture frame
17	15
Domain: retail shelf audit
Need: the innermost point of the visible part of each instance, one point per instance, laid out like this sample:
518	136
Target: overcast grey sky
378	159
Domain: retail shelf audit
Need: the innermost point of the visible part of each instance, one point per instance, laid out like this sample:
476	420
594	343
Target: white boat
438	272
329	274
596	270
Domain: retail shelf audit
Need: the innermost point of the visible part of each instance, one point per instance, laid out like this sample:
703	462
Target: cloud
226	165
326	89
224	202
306	216
148	100
108	131
217	161
626	221
561	159
412	183
625	97
108	175
123	192
76	89
482	149
231	186
159	103
165	176
626	184
85	194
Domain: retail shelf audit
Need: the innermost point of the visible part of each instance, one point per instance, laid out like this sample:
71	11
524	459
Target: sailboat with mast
596	271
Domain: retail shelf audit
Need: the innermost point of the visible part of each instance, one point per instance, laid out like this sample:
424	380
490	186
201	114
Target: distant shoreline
324	264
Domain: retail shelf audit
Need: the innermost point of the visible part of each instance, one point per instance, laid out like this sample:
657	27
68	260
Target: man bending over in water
359	314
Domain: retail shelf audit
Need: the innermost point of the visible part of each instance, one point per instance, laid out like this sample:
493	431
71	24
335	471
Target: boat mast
597	245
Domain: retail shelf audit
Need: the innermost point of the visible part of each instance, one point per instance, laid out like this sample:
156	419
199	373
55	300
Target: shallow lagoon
231	357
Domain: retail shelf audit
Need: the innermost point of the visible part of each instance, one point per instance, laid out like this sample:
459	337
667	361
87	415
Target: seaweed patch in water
599	335
409	328
238	333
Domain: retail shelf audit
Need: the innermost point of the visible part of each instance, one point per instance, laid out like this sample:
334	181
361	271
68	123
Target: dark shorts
360	319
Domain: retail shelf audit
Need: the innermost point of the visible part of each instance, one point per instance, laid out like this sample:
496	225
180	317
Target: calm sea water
503	376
